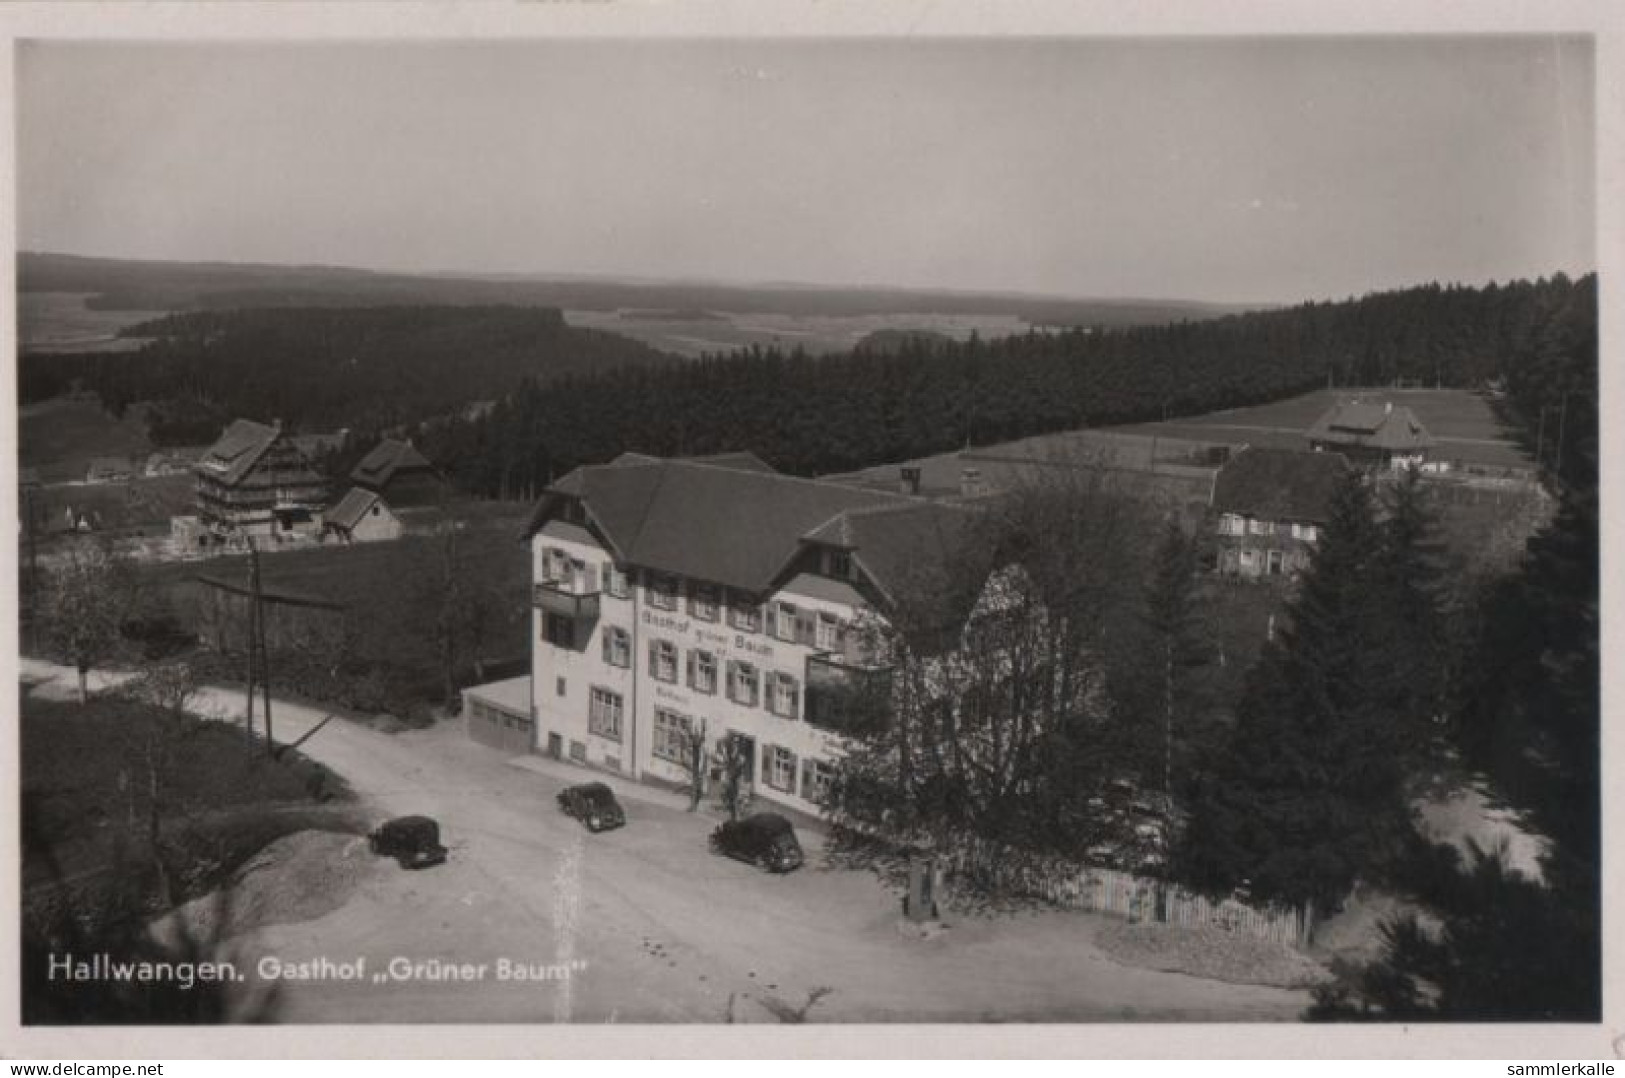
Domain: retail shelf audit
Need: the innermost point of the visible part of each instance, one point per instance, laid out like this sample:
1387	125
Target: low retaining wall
1103	890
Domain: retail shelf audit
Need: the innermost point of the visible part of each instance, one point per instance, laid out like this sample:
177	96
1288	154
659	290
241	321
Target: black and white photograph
714	528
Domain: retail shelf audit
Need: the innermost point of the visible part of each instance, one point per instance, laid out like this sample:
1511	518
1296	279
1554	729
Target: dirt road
642	924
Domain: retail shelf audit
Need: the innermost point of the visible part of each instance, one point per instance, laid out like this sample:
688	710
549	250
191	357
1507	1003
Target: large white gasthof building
667	593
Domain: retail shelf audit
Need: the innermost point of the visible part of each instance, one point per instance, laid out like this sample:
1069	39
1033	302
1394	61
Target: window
838	564
558	630
784	621
784	695
829	632
1249	560
816	779
578	751
670	730
604	714
560	687
1232	561
742	685
663	592
702	671
744	614
1261	527
557	566
702	602
1306	532
1231	524
1274	562
779	771
617	646
663	660
614	580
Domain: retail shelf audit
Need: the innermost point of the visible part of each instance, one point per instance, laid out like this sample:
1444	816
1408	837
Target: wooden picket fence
1104	890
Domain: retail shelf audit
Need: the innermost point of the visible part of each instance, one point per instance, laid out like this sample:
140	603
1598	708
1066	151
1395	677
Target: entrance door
748	746
555	746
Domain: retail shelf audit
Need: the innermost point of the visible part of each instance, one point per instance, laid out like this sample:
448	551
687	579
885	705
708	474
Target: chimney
909	482
970	482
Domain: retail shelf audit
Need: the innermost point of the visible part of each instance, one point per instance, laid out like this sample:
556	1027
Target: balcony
848	694
565	599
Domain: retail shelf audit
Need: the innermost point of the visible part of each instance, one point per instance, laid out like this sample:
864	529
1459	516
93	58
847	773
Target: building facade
1269	506
257	481
361	516
672	596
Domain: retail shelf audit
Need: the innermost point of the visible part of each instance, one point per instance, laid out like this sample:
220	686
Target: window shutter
691	669
653	665
794	689
607	652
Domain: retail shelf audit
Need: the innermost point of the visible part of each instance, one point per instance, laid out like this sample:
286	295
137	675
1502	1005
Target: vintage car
593	804
766	840
414	841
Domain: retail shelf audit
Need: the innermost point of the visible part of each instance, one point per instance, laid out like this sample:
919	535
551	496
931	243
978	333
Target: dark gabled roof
1279	484
238	450
741	461
726	525
1372	425
387	459
351	508
921	554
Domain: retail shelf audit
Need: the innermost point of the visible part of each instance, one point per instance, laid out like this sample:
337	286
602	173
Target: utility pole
252	641
258	651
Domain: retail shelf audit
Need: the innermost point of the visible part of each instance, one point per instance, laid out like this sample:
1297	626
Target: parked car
593	804
766	840
414	841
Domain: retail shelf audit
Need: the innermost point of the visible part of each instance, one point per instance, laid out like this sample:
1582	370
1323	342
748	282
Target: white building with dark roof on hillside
1270	506
667	592
1370	433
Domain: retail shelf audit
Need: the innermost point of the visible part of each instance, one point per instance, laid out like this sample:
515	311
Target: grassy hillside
59	436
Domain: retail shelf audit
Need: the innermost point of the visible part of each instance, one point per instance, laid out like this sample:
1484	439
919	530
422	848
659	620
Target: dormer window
663	592
838	564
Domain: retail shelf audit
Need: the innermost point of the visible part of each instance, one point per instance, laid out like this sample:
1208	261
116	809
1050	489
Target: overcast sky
1247	169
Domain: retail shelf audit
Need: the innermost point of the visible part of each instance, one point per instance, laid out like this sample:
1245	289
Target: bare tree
733	761
998	724
88	595
695	759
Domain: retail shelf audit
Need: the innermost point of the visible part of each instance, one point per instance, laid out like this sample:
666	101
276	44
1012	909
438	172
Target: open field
140	507
60	322
60	436
392	597
691	333
1462	422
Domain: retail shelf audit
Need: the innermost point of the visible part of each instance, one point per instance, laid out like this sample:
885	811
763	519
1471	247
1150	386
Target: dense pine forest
319	368
822	414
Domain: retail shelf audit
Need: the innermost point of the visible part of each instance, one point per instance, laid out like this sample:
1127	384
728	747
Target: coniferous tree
1309	793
